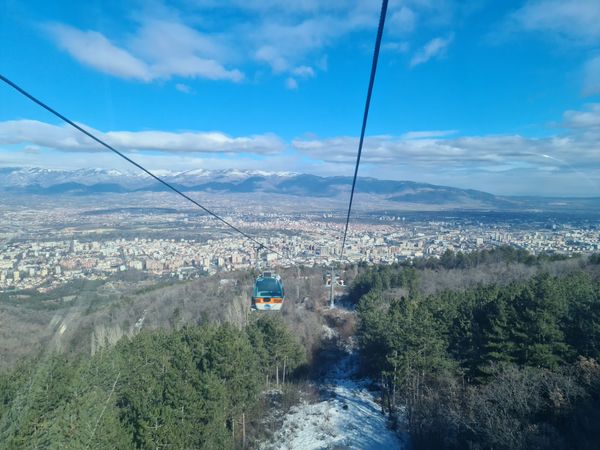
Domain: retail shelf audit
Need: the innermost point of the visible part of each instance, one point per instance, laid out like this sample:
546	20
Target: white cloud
433	48
573	19
157	39
472	153
572	22
291	84
284	45
273	58
428	134
161	50
290	37
564	164
302	34
583	119
183	88
96	51
43	135
591	76
304	71
192	66
322	63
270	6
400	47
32	149
67	138
402	21
175	49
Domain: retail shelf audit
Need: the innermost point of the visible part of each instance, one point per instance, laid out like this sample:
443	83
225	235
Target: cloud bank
567	163
67	138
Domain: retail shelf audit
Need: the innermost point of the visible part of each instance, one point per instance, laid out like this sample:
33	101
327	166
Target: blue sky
498	96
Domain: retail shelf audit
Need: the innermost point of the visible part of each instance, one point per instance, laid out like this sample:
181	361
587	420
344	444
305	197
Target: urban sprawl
43	263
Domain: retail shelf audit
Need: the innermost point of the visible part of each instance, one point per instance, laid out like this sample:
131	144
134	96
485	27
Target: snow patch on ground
348	417
329	333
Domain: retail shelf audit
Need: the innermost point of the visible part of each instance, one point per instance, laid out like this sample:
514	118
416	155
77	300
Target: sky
498	96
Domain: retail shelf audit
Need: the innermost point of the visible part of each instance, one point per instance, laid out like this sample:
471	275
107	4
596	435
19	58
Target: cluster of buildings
45	264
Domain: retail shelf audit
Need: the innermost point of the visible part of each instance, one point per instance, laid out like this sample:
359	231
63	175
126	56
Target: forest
88	314
193	387
496	349
510	364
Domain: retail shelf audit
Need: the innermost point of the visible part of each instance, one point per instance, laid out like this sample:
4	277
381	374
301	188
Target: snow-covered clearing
347	418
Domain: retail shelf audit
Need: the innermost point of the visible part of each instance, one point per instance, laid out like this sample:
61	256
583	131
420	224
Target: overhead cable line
384	6
131	161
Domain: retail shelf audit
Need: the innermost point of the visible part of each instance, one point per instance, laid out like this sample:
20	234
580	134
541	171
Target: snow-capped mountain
14	177
95	181
11	177
41	181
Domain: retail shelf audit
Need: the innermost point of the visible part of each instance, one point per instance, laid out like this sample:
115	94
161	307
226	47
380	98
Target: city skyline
87	249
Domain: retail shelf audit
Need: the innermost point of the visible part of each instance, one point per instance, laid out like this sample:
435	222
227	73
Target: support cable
131	161
384	6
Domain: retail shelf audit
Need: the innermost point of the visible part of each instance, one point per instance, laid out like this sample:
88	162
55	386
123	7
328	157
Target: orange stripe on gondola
268	300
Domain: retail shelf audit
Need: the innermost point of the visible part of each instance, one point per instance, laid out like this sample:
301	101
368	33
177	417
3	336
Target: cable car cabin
268	292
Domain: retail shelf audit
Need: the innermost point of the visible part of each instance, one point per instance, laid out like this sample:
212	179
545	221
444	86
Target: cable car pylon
332	290
258	249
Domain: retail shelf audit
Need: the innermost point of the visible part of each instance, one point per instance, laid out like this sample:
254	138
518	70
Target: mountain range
42	181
